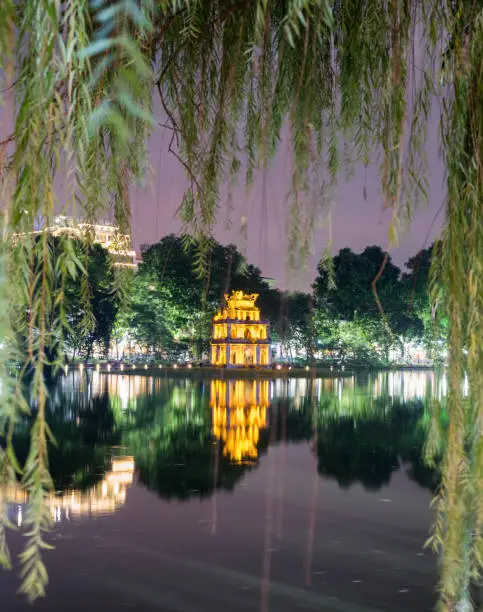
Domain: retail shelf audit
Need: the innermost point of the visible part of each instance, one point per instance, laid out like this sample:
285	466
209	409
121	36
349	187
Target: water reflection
103	498
191	437
182	448
239	412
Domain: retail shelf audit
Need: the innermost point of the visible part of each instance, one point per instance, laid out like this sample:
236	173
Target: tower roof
239	299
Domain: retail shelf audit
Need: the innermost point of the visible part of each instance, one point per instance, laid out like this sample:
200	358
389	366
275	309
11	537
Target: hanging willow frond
119	123
335	72
86	114
458	529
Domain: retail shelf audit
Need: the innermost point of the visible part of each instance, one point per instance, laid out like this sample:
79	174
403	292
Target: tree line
168	309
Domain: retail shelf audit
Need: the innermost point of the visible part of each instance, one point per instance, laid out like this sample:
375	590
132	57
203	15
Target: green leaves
298	13
123	77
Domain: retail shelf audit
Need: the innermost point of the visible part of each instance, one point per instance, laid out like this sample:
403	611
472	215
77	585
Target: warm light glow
146	366
239	412
108	367
105	497
189	365
175	366
122	367
239	337
108	236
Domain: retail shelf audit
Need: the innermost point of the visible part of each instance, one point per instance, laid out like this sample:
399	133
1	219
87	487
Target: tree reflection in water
190	438
89	476
176	448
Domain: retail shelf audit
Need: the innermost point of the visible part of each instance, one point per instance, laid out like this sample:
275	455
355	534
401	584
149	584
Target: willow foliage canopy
353	80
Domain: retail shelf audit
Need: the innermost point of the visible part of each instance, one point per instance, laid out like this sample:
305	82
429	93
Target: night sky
356	221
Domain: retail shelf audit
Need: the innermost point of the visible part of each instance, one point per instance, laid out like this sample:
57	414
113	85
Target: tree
88	308
98	300
171	306
293	326
349	292
348	316
417	290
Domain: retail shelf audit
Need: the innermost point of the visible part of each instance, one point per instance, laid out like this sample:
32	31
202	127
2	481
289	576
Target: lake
184	495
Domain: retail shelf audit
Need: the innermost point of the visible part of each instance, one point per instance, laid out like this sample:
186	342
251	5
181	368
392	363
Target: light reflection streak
267	543
104	498
239	412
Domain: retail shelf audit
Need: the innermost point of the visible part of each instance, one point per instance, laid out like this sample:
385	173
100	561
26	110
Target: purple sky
356	222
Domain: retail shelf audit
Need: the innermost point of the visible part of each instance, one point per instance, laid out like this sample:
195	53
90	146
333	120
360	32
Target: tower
240	338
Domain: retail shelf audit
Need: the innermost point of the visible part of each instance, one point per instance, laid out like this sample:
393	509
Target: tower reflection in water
105	497
239	412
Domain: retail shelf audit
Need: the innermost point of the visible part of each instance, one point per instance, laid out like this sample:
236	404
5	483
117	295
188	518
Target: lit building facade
109	237
240	338
239	411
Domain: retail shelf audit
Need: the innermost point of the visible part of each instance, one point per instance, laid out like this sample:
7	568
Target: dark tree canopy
172	306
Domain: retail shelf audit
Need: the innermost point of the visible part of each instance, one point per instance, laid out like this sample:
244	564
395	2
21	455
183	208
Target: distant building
107	235
240	338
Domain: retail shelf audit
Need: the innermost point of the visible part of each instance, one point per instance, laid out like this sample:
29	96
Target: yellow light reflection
239	412
103	498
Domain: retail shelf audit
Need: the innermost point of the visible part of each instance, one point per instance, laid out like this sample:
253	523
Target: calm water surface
180	495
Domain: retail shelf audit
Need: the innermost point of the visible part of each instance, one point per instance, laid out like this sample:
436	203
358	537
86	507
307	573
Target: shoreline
271	373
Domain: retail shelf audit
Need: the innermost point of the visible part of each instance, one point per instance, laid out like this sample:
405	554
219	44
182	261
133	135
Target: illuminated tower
239	412
240	338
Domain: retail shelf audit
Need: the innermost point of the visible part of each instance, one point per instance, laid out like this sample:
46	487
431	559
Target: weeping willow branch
457	533
81	103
